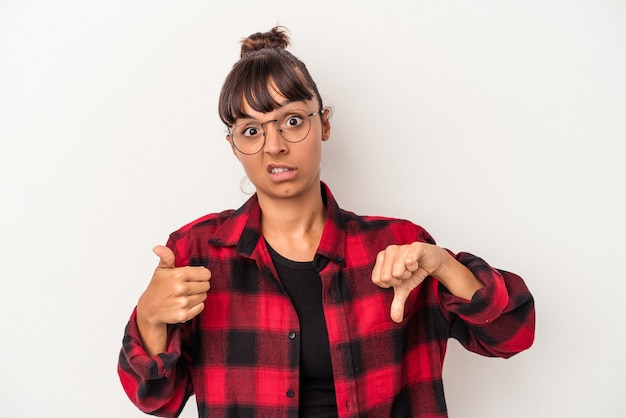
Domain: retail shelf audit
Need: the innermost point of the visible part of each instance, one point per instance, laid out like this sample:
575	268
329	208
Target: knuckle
184	302
180	290
178	274
181	317
385	279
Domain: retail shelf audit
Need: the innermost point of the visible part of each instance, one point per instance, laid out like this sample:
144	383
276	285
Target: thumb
166	256
400	295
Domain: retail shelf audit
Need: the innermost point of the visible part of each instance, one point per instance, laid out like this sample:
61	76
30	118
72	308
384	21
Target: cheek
250	163
313	153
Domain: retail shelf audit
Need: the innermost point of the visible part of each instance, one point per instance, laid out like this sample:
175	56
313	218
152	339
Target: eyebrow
280	106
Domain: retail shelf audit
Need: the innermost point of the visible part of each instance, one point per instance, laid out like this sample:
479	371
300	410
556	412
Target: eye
251	131
293	121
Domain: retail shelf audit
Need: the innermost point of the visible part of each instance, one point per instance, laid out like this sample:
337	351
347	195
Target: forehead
275	95
283	104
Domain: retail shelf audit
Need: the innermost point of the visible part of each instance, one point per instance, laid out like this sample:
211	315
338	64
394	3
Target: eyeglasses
293	126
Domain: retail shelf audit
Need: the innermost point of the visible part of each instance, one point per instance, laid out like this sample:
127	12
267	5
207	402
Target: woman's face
285	169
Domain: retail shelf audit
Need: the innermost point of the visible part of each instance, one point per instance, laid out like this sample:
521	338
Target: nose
274	142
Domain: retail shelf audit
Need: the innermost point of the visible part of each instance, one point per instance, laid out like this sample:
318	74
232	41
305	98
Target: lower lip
283	176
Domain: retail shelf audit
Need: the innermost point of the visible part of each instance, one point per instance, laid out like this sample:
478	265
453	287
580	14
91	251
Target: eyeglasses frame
262	125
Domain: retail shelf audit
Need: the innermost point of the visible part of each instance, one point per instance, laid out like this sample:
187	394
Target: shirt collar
243	229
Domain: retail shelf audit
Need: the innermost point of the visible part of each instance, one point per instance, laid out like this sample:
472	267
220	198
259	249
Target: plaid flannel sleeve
499	320
158	385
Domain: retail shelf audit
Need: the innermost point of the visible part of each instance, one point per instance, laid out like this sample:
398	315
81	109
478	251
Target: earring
244	184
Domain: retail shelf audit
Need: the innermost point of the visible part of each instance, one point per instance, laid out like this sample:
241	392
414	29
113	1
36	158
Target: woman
291	306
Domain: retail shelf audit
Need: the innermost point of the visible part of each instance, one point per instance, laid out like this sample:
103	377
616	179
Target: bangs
252	79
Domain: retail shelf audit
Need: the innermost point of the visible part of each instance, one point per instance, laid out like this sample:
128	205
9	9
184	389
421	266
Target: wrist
457	278
153	335
442	272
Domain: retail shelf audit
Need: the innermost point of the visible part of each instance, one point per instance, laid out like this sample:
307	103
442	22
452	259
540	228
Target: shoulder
399	229
204	226
190	242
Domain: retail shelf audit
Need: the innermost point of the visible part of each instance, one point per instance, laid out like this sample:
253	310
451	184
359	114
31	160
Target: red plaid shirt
240	356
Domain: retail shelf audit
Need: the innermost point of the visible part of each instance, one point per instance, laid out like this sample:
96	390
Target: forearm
499	320
457	278
153	337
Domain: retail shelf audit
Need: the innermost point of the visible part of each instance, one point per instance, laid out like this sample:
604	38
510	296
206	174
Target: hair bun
274	38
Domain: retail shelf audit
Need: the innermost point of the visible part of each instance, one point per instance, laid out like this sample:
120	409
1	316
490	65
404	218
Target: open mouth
277	170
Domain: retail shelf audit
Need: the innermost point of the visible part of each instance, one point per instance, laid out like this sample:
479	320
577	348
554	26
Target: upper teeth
279	170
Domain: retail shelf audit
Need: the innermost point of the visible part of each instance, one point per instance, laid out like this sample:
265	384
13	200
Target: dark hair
264	59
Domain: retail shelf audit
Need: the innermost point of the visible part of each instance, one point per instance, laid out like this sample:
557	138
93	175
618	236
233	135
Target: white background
498	126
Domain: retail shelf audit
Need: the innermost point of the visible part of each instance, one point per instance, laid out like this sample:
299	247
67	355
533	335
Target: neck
294	226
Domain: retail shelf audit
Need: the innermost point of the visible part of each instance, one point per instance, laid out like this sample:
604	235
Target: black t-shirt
304	286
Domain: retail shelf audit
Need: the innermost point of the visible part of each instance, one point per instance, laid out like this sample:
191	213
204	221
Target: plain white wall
498	126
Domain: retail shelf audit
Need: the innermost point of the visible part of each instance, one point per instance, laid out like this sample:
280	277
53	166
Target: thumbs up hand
174	295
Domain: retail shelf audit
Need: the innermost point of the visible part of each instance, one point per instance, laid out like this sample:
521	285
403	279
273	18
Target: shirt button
290	394
291	335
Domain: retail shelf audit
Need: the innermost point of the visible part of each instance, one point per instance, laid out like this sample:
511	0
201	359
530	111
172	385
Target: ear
325	124
232	147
